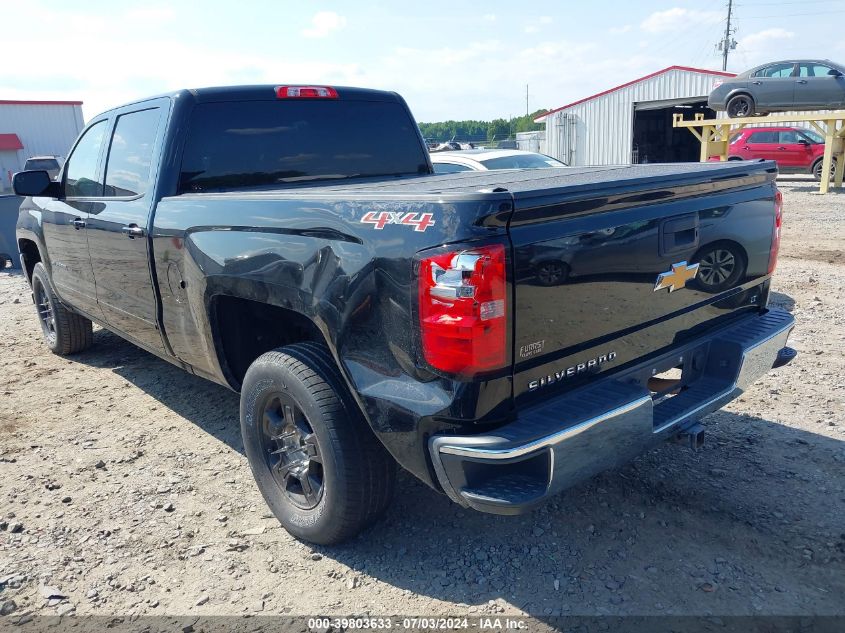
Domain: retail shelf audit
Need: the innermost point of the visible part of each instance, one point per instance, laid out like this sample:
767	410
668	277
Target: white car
484	159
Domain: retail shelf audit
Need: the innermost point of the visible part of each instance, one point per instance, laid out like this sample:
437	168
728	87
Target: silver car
803	84
485	159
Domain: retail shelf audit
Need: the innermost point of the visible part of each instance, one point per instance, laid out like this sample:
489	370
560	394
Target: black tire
817	169
740	106
315	459
721	265
5	260
65	332
551	273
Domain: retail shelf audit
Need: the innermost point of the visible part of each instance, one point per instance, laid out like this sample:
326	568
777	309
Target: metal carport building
35	128
632	123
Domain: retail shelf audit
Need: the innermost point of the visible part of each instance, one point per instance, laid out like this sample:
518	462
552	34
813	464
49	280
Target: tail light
306	92
463	310
773	253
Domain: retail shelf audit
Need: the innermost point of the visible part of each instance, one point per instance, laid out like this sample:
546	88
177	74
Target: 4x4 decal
420	221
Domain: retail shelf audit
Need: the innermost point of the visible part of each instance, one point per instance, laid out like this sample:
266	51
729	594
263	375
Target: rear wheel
317	463
65	332
720	266
740	106
817	169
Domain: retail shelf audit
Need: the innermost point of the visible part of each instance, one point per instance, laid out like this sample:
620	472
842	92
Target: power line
766	3
788	15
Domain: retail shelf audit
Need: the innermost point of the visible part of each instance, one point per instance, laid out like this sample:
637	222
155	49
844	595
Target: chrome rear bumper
560	442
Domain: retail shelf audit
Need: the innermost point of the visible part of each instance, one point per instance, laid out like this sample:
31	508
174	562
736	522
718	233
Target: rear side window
265	143
775	71
131	153
763	137
82	179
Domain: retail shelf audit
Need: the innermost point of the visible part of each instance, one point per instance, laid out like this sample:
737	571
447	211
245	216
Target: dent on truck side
353	283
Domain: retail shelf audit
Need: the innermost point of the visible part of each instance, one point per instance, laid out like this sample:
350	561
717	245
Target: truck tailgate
604	280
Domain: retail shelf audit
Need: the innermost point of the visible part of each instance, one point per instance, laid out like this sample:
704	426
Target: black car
804	84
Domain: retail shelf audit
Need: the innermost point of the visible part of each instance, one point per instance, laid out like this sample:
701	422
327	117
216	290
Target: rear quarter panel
354	281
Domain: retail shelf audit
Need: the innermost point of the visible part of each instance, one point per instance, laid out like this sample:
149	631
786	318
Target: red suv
796	150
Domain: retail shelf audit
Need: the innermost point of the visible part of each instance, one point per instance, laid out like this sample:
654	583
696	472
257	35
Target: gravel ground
124	490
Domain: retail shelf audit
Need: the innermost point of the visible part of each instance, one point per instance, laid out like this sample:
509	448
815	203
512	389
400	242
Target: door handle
78	223
781	148
757	83
801	81
132	231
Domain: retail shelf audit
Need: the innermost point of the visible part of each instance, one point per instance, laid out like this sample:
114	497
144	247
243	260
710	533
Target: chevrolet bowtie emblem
676	278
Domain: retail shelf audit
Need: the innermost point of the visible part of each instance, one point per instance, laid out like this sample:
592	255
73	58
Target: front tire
817	169
740	106
317	463
65	332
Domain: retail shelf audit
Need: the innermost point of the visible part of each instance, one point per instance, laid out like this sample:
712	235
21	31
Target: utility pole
727	44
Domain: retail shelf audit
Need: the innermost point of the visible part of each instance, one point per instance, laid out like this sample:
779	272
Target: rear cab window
247	144
42	163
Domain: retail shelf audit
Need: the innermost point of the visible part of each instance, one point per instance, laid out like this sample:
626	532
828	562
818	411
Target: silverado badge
676	278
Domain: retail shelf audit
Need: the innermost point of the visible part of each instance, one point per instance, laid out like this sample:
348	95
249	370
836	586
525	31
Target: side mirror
803	141
35	183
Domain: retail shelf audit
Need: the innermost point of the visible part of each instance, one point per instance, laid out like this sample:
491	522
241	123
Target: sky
450	59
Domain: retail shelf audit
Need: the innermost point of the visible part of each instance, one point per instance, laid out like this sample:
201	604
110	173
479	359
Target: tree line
481	131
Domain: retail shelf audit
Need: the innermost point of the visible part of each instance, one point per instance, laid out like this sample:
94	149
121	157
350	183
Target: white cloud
768	38
323	23
676	18
618	30
535	25
489	17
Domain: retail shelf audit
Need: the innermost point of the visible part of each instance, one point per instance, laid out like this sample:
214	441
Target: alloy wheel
550	273
716	266
740	107
45	313
291	451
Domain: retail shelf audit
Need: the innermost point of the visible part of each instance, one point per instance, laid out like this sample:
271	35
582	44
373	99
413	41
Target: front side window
775	71
789	137
81	180
815	70
246	144
131	153
763	137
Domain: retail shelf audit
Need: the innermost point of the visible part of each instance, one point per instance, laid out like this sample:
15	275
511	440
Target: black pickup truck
501	335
